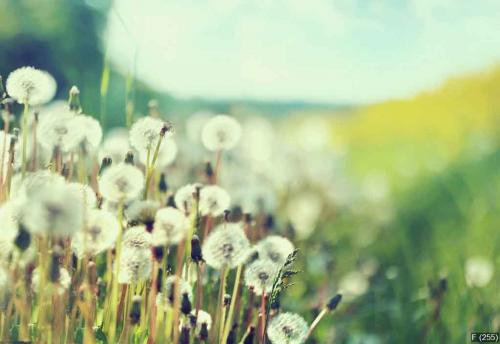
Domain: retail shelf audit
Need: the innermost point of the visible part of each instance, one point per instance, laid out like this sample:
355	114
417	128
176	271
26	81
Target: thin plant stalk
233	303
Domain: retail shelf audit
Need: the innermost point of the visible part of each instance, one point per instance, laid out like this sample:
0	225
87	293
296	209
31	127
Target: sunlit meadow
150	193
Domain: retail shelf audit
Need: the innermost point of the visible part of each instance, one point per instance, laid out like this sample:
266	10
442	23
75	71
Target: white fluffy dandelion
213	200
221	132
85	192
135	265
91	131
170	226
121	182
59	129
9	215
226	246
142	212
478	271
353	284
145	132
287	328
115	145
166	154
137	237
30	85
260	275
275	248
304	210
55	210
184	197
99	234
203	318
32	183
62	285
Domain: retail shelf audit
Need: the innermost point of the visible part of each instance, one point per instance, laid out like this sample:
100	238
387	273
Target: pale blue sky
316	50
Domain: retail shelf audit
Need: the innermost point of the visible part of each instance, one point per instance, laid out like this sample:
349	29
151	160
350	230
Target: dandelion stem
25	138
233	303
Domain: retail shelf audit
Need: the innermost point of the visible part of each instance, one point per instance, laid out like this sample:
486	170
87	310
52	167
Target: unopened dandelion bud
196	253
105	163
23	238
204	331
249	335
74	100
184	337
185	304
55	269
129	158
231	338
443	284
227	300
209	171
135	310
162	185
159	280
170	202
269	222
334	302
65	170
166	128
226	215
158	253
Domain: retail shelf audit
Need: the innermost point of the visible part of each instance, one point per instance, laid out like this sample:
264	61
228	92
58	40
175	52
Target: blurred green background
424	171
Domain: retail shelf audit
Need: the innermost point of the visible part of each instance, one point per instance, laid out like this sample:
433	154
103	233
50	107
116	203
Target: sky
346	51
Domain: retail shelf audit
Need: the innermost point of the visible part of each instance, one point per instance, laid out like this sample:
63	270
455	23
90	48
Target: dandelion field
130	216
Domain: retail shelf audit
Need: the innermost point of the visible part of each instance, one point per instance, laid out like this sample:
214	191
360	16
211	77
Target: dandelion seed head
275	248
61	130
213	200
145	132
33	182
171	224
260	275
353	284
91	131
203	318
184	199
303	210
121	182
62	285
226	246
137	237
135	265
287	328
115	145
166	154
142	211
98	235
85	193
221	132
28	84
54	210
478	271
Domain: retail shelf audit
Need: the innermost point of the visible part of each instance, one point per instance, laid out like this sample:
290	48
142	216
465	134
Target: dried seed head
287	328
226	246
214	200
185	304
221	132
